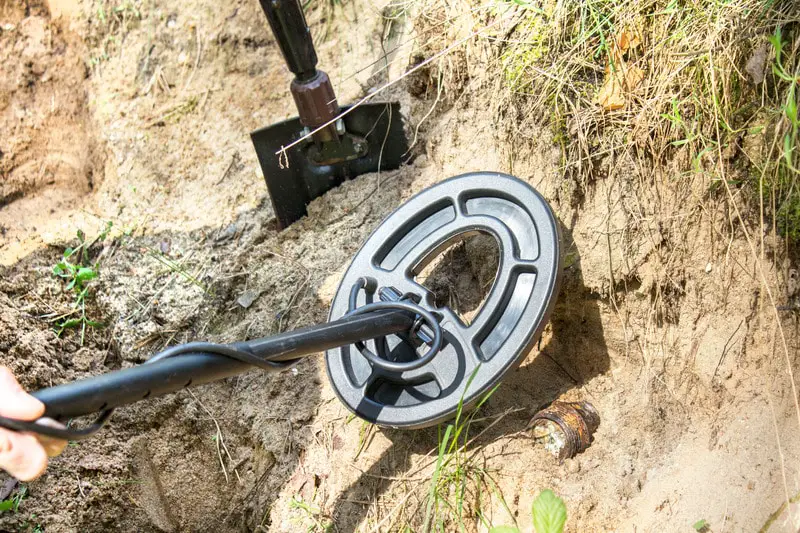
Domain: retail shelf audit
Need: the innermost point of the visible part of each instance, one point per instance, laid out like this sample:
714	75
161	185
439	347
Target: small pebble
228	233
573	466
247	298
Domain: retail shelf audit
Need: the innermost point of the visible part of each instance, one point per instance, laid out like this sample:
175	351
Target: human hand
23	455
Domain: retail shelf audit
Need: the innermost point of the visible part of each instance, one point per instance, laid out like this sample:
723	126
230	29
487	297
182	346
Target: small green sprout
77	271
13	503
549	515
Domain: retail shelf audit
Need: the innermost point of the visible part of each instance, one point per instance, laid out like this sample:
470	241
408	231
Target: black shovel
367	138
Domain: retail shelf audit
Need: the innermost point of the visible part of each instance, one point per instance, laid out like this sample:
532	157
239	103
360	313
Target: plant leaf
700	525
787	149
71	323
6	505
85	274
776	40
549	513
791	107
504	529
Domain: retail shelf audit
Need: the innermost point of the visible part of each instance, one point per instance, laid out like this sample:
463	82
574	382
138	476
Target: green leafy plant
76	269
13	503
549	515
701	525
319	521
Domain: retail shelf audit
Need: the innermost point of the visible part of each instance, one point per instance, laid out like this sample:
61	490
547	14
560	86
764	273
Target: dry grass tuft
109	22
679	70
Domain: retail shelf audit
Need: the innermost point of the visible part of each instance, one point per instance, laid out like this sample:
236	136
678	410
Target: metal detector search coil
413	394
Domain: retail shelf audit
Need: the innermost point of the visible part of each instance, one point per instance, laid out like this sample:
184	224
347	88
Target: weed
177	268
701	525
176	112
31	524
109	23
76	269
778	512
365	433
319	521
458	483
785	171
549	515
12	504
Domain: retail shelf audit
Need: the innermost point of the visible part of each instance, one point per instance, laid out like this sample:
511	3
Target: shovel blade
295	179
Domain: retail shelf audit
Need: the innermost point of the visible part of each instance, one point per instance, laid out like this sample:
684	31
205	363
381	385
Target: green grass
178	268
109	21
697	105
778	512
12	504
318	521
459	484
784	166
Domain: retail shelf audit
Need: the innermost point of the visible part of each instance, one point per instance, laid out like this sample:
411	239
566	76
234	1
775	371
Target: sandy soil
141	115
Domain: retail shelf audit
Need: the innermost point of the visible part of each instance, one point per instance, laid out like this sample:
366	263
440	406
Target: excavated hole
461	276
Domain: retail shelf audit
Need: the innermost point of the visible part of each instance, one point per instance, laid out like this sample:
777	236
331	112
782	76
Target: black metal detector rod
170	374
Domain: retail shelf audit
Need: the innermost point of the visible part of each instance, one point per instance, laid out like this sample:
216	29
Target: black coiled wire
240	351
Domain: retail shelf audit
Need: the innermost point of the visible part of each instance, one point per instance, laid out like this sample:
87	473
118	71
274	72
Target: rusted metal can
565	428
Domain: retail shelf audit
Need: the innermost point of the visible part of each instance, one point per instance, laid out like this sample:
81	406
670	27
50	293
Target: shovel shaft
312	90
293	35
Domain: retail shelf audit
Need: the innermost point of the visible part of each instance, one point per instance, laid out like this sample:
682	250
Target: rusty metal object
565	428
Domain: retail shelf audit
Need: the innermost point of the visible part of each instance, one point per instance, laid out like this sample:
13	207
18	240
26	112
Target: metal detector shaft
141	382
